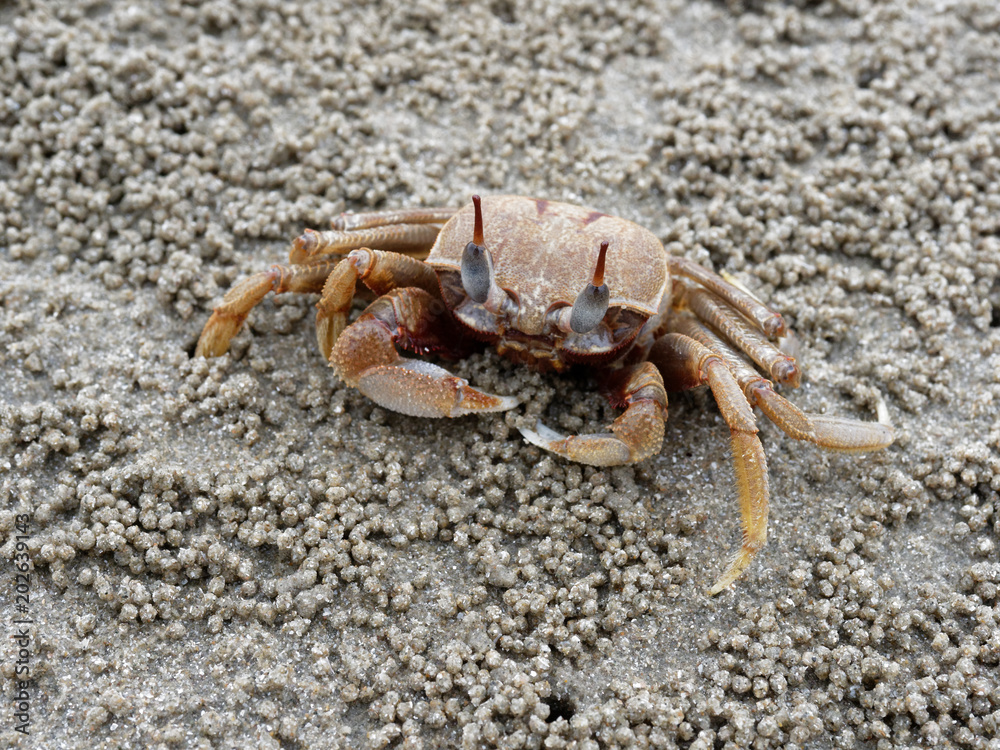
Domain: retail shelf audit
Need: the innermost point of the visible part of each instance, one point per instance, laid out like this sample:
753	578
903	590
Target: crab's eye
477	272
477	265
592	303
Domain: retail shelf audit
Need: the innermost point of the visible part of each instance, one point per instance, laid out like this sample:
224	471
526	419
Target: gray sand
244	553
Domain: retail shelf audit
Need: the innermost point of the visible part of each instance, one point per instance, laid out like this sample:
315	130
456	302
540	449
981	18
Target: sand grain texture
243	552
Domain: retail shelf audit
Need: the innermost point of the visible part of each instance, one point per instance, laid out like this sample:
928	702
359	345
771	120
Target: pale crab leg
369	219
378	270
410	231
228	317
686	363
635	435
832	433
406	230
365	357
766	319
412	239
735	328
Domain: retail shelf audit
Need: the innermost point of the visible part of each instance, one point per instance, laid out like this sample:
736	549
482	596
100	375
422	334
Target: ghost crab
549	285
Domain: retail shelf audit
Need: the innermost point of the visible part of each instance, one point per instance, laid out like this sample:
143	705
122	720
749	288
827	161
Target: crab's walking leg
228	318
686	363
365	357
407	230
766	319
736	329
369	219
411	239
411	231
832	433
635	435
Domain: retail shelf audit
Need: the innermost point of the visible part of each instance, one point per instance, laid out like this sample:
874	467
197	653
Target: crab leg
409	231
365	357
369	219
686	363
832	433
735	328
406	230
412	239
228	318
635	435
766	319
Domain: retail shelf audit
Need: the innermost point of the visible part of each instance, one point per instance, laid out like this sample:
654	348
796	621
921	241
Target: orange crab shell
544	254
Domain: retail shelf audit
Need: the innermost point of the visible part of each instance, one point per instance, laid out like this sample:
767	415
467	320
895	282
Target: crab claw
422	389
635	435
365	356
596	450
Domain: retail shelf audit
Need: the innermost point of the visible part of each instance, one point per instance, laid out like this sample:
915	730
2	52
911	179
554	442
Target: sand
245	552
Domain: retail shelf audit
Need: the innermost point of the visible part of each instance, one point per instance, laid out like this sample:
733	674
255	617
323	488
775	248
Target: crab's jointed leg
735	328
831	433
370	219
365	356
685	363
415	240
763	317
411	231
228	318
635	435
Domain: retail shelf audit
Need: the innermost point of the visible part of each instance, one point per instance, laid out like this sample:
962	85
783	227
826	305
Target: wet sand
243	550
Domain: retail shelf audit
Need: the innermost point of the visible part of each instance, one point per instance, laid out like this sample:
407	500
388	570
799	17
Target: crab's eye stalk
592	303
477	265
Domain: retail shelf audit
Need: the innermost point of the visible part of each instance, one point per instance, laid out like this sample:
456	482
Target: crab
549	285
